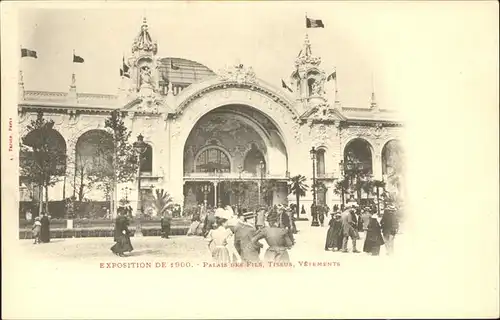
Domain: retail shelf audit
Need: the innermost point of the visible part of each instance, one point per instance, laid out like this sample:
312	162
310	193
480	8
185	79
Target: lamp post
315	222
342	181
140	147
240	187
261	166
205	189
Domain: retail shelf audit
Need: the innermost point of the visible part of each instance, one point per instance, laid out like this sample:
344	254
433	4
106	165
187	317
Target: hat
355	205
249	215
221	213
390	207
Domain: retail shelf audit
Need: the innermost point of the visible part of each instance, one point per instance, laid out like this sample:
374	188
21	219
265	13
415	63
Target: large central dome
181	72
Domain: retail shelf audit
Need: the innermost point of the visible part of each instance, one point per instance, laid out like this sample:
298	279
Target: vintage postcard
248	160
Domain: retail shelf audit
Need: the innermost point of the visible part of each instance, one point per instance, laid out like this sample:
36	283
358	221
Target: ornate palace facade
209	131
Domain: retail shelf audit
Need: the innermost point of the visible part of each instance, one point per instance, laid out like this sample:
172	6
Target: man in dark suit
165	225
244	231
349	228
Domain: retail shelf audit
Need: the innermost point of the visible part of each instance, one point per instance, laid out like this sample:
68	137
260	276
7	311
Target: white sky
358	38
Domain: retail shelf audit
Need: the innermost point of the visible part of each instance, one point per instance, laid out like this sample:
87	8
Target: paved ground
309	247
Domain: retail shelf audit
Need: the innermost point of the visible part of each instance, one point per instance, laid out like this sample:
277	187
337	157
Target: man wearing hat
244	230
390	225
349	225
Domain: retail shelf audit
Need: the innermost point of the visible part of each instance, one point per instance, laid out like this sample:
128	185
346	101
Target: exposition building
210	133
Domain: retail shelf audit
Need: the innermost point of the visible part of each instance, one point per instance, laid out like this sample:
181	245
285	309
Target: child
37	227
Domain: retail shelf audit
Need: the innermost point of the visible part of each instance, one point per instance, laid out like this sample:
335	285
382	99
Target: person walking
218	239
373	239
244	230
278	240
390	227
349	224
165	223
45	228
37	226
334	235
122	234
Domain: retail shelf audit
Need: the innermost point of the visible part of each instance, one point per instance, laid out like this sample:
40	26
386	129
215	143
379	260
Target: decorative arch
93	152
392	155
56	146
251	160
360	149
212	157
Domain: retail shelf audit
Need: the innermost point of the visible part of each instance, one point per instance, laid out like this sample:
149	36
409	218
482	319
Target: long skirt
276	255
122	245
221	255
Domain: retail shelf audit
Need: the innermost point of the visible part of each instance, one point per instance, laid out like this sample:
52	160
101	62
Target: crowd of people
379	229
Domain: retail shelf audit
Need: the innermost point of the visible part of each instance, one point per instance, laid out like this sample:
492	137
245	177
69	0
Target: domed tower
308	78
143	71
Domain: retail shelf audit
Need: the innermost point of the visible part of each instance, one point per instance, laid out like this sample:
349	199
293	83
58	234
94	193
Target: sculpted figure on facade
238	73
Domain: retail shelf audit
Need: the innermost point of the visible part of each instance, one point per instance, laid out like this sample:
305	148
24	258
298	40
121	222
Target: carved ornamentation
143	41
321	134
305	56
378	132
238	73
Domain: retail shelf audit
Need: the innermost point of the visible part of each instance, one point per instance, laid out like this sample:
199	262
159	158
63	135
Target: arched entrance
229	154
393	165
93	165
358	167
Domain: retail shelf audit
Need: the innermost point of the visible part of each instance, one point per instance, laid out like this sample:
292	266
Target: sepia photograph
203	141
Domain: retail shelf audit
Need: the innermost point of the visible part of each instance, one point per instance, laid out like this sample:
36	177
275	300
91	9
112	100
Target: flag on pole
284	85
314	23
28	53
174	67
77	59
332	76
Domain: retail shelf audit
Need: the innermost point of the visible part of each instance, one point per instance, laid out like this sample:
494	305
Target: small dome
182	72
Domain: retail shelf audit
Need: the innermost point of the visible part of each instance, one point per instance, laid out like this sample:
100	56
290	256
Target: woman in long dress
334	235
218	239
122	236
45	228
374	239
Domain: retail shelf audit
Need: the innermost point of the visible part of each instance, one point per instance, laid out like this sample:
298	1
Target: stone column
215	183
377	164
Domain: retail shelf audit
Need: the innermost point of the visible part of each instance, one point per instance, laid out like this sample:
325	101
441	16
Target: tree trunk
298	205
47	199
40	199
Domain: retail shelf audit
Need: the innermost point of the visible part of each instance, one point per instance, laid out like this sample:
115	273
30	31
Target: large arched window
252	161
392	158
358	156
212	159
46	151
94	153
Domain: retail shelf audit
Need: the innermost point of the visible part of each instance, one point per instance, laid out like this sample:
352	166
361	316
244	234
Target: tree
43	157
298	187
124	158
163	202
340	188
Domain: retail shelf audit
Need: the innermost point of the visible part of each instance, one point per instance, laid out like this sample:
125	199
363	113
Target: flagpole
336	88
